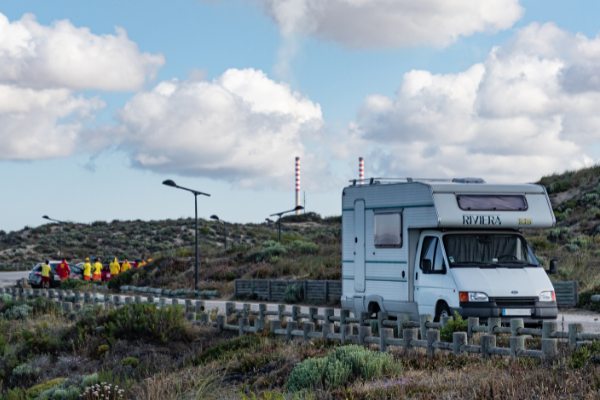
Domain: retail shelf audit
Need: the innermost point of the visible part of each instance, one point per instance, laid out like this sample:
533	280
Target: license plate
57	277
516	311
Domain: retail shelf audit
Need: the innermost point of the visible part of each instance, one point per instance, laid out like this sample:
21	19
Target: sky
102	101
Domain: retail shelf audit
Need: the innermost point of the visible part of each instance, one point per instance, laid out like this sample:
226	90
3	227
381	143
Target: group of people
92	271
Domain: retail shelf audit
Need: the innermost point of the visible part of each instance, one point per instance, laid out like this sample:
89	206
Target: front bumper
539	312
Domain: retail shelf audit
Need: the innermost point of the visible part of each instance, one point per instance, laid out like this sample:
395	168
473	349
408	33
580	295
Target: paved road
11	278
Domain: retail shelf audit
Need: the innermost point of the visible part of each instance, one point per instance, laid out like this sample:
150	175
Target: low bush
73	284
24	376
301	247
136	322
344	365
584	355
130	362
34	392
457	325
294	293
269	251
123	279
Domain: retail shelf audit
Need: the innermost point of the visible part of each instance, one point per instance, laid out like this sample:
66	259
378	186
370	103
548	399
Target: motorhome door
430	272
359	246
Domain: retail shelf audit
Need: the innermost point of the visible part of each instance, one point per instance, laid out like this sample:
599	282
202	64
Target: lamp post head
169	182
214	217
46	217
298	208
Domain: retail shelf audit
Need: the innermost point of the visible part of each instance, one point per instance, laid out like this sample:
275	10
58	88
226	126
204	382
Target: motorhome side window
432	257
491	202
388	230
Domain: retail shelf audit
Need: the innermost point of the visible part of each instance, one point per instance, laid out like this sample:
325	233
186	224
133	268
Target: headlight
547	296
472	296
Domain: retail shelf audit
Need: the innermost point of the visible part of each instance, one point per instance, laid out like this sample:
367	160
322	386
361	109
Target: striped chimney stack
298	184
361	169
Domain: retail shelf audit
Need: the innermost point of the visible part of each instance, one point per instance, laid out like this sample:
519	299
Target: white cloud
41	68
520	114
30	126
367	24
63	56
241	127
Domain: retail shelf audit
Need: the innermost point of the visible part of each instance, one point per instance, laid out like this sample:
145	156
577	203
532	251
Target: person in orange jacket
63	270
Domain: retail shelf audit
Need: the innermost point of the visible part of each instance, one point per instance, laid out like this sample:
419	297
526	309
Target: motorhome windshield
488	250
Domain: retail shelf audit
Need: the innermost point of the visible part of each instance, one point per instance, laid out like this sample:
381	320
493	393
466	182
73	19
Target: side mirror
426	266
553	267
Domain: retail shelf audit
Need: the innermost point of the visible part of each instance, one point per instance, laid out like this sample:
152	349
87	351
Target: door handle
417	278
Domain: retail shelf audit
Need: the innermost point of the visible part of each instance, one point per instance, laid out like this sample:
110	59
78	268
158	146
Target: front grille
515	301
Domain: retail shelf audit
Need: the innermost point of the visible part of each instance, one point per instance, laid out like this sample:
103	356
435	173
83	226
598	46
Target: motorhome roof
457	185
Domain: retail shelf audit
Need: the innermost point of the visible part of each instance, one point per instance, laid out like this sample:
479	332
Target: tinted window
37	268
488	250
388	230
480	202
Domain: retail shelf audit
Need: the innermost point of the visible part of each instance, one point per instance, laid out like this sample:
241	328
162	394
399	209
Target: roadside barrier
209	294
415	334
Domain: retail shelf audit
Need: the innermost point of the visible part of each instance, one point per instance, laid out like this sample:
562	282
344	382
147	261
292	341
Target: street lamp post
298	208
61	232
196	193
224	229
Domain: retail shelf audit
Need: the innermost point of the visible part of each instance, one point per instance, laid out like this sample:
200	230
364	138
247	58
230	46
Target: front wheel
442	310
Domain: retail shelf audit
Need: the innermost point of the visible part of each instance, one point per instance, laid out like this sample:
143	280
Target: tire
442	310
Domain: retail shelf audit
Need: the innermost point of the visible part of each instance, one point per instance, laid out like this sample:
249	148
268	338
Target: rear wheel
442	310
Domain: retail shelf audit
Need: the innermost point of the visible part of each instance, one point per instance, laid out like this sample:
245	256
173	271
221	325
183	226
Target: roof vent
468	180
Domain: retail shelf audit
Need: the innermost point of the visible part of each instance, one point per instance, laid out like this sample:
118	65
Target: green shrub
136	322
558	187
35	391
229	276
123	279
572	247
270	251
41	341
582	357
73	284
294	293
344	365
24	376
130	361
457	325
299	246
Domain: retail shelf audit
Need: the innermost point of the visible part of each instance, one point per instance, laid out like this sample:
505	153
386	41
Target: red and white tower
298	184
361	169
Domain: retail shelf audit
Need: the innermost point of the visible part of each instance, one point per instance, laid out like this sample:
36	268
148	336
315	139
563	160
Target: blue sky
105	182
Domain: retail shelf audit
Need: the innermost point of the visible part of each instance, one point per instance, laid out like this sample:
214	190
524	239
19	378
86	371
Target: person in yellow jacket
97	276
45	275
87	270
125	266
115	268
141	263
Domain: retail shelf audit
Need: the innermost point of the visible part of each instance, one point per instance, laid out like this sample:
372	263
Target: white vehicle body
414	273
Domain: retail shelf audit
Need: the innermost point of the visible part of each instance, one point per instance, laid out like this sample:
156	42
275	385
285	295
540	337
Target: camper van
421	246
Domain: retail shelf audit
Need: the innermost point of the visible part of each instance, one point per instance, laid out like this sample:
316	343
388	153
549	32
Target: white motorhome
423	246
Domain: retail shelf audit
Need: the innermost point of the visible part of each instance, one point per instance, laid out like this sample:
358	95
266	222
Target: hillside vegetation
575	241
310	248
